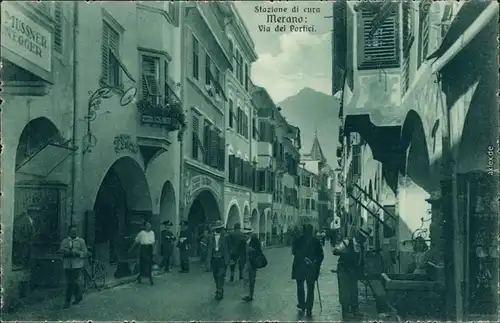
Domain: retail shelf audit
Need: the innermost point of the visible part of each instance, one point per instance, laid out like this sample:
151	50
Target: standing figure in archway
218	256
237	247
146	239
167	244
183	244
252	251
74	250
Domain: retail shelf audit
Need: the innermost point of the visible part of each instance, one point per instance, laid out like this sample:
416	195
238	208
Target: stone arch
203	210
413	140
168	207
35	220
246	211
233	214
121	205
254	220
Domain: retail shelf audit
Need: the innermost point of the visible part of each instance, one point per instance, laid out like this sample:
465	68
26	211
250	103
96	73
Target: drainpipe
77	155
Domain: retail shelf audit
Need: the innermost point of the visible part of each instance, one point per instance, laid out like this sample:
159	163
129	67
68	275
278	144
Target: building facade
241	128
207	58
107	179
308	197
411	158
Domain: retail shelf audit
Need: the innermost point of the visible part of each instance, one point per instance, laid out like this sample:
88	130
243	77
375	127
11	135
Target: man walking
308	256
252	250
218	257
167	245
74	252
183	245
237	248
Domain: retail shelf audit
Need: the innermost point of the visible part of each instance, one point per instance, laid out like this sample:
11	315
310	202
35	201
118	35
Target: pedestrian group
239	249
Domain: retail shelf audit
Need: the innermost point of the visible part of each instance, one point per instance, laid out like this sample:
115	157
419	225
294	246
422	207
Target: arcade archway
37	207
168	207
122	205
254	220
203	211
233	216
246	213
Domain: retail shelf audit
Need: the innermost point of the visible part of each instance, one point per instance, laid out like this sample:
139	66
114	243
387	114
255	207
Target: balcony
159	116
373	108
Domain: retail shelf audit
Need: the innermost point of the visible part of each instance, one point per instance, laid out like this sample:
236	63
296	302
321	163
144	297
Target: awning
45	160
466	17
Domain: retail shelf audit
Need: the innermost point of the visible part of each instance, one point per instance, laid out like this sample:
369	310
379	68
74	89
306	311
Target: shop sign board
25	42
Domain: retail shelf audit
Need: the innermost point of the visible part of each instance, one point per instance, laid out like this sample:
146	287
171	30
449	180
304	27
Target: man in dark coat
349	270
252	249
218	257
167	239
308	256
183	244
237	248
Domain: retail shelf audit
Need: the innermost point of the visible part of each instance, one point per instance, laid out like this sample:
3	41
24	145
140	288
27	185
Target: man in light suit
74	252
218	257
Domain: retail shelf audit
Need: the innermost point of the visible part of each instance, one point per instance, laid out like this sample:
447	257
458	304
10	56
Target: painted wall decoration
124	142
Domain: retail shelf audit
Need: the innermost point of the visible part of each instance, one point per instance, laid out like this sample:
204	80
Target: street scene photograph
327	161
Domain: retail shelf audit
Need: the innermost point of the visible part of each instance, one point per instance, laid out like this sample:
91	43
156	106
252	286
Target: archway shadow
203	211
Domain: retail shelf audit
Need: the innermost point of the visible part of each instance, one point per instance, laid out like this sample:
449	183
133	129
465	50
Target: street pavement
189	297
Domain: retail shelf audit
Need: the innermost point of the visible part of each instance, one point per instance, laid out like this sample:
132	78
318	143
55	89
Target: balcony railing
163	110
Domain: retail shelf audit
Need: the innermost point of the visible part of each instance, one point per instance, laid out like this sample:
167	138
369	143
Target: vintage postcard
249	160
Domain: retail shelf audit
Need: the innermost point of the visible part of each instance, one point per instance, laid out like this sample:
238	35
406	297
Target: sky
289	61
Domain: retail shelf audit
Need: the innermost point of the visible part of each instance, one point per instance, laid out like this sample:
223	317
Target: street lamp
105	92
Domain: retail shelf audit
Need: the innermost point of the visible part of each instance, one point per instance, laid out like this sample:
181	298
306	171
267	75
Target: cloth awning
45	160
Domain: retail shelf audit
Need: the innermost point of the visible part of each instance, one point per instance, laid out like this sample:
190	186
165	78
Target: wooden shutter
222	153
232	168
231	114
105	50
58	27
214	148
195	138
207	143
242	177
150	76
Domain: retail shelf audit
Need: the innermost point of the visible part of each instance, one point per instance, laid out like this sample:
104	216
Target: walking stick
319	296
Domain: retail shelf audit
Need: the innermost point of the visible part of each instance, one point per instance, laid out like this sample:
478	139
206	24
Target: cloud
304	60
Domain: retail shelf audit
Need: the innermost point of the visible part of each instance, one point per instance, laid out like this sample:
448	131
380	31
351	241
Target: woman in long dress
146	240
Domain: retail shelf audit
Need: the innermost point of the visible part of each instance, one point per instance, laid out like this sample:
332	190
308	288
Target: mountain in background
313	111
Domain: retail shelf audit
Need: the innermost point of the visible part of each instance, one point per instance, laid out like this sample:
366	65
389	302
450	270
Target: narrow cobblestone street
178	297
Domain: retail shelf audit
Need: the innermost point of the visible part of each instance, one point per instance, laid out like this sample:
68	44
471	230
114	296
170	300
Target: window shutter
222	153
231	168
150	76
214	147
195	139
105	50
58	27
207	143
242	169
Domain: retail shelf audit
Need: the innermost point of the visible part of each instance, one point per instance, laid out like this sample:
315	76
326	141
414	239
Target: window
208	72
58	27
196	144
238	70
207	141
231	114
110	50
261	180
231	53
196	59
246	77
240	65
239	119
151	79
262	132
255	132
313	204
379	46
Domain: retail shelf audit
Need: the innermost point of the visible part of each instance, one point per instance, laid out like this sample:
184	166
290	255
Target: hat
366	233
184	222
218	224
167	223
247	230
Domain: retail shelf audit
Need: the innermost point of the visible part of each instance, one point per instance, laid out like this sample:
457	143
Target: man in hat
236	246
183	245
218	256
350	270
167	239
252	249
308	257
